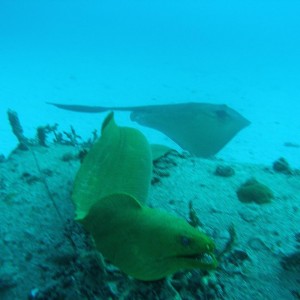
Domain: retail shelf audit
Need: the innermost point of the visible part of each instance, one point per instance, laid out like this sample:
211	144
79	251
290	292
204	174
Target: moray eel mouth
167	265
196	251
203	260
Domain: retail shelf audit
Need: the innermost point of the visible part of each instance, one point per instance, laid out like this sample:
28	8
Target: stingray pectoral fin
203	129
146	243
119	162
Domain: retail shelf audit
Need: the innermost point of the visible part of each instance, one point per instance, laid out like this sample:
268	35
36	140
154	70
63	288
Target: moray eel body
146	243
119	162
110	191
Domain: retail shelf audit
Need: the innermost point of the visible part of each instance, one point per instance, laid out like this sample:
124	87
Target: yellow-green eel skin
110	193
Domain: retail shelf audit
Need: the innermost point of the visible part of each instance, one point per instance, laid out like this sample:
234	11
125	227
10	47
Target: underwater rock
249	214
282	166
291	262
224	171
2	183
30	178
297	238
68	156
257	244
237	257
254	191
7	281
155	180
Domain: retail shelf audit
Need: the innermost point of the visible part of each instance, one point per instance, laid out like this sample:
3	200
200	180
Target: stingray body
203	129
110	192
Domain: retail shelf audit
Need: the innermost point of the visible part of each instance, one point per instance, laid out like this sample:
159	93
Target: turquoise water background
245	54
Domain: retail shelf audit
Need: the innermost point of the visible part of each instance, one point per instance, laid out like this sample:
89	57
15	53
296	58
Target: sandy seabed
45	254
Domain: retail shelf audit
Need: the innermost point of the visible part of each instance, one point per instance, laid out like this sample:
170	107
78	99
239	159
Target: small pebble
224	171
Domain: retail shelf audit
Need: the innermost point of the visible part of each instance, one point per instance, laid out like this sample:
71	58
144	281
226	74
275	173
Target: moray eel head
175	245
146	243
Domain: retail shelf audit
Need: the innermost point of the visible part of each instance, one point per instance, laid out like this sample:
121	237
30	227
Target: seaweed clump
70	138
63	138
254	191
43	131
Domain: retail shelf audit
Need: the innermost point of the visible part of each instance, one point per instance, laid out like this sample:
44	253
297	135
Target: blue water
241	53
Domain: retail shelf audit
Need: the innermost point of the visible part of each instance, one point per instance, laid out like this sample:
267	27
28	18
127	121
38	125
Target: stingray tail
95	109
81	108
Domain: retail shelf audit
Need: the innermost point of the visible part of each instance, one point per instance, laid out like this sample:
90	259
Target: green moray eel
110	192
119	162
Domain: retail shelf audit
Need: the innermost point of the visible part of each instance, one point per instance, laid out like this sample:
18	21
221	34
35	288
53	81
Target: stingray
203	129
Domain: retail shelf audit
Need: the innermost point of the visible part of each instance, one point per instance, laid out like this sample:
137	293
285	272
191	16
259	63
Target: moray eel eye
185	241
